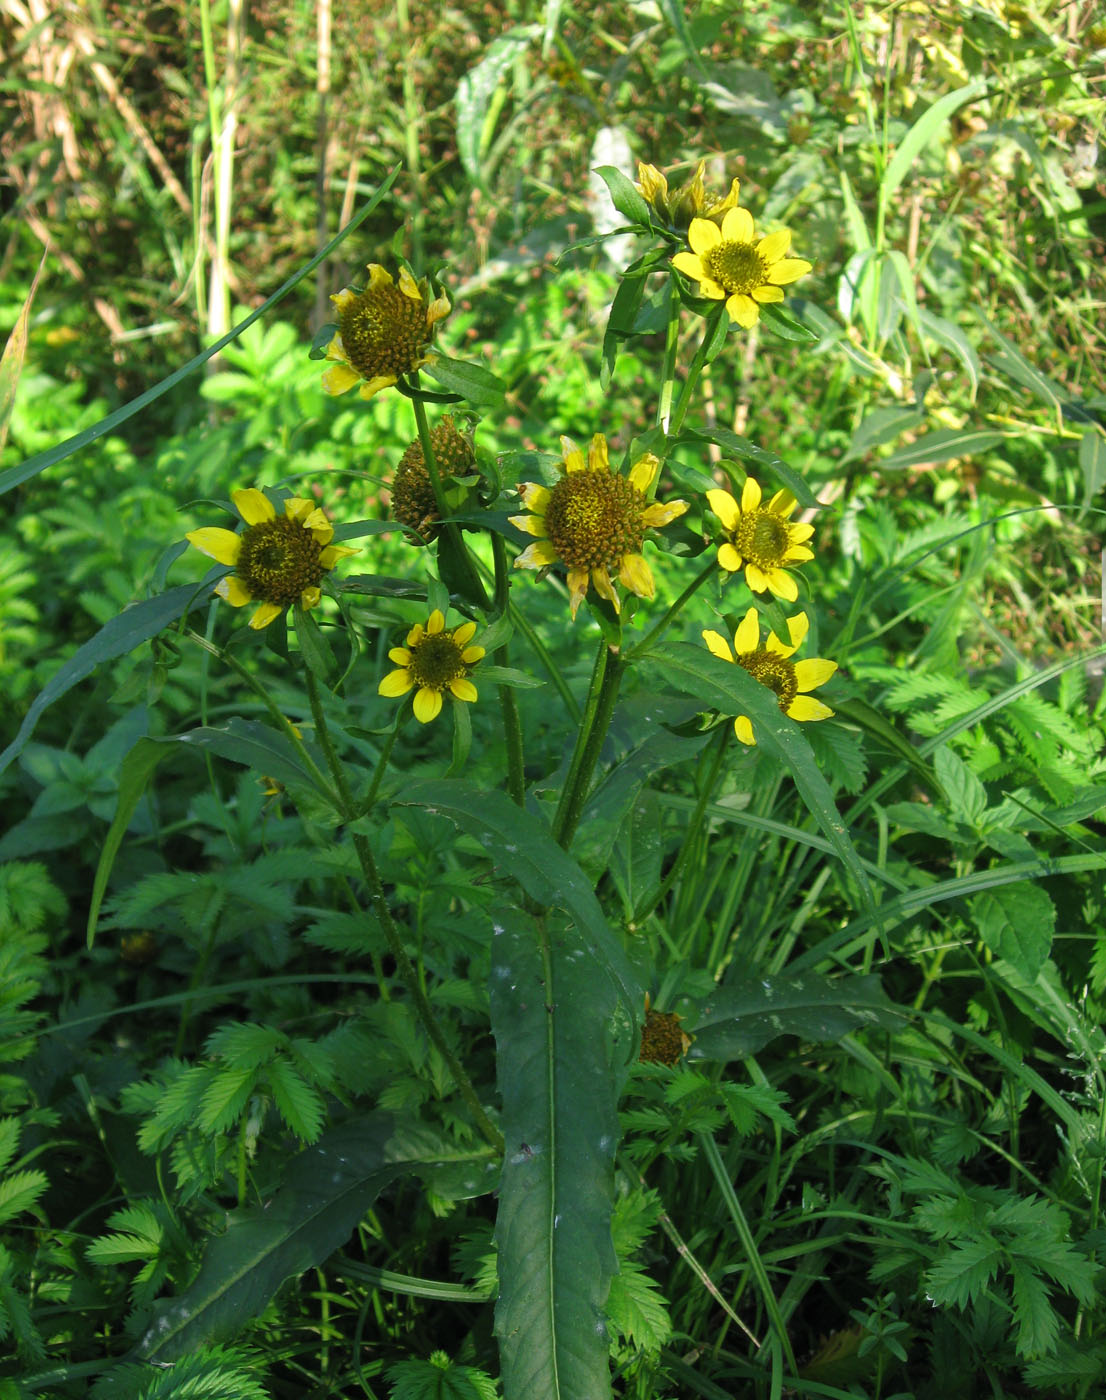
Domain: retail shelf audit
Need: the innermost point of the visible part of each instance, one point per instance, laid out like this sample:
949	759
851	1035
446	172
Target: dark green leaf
473	382
743	1016
134	625
326	1192
625	196
557	1020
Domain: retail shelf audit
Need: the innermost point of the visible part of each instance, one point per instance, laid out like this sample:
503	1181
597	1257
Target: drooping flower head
731	265
761	538
663	1039
277	559
383	332
413	502
691	200
594	522
771	664
436	659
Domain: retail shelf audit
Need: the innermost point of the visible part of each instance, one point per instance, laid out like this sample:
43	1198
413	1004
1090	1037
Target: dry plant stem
347	810
694	826
684	1251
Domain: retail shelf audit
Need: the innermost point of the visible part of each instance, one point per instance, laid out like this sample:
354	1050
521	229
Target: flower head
278	559
731	266
771	664
413	502
436	658
383	332
594	522
663	1039
761	538
692	200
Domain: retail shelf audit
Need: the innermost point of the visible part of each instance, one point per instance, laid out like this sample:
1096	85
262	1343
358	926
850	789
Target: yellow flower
692	200
278	559
436	658
383	332
729	265
594	522
771	664
761	538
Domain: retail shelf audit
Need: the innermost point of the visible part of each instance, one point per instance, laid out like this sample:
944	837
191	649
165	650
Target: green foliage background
225	1142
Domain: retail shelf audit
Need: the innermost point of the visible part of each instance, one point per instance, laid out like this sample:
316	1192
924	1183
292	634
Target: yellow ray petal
725	507
805	707
224	546
265	614
395	684
737	226
428	704
717	645
747	635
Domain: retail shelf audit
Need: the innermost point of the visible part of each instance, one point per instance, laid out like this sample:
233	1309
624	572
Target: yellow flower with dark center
692	200
761	538
663	1040
436	659
594	522
277	559
413	502
731	265
771	664
383	332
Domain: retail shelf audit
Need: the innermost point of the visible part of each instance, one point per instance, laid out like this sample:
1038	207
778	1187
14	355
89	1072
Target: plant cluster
535	891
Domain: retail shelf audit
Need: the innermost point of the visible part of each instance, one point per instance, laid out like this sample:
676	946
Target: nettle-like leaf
210	1373
439	1378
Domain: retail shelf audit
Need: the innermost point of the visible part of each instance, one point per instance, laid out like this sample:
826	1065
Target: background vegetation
887	1184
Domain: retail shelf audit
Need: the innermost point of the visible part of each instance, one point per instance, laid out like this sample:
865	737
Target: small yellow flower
278	559
383	332
771	664
676	208
761	538
594	522
436	658
731	266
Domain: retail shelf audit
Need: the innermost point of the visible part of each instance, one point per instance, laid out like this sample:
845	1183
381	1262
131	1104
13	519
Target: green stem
657	631
508	703
606	681
668	371
694	826
347	810
475	586
698	364
283	723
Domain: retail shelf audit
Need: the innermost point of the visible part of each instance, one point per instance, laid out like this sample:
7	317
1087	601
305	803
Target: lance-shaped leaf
562	1046
326	1191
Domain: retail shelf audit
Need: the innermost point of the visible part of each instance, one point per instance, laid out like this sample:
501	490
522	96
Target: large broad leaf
522	849
327	1190
742	1017
562	1050
731	690
565	1006
134	625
